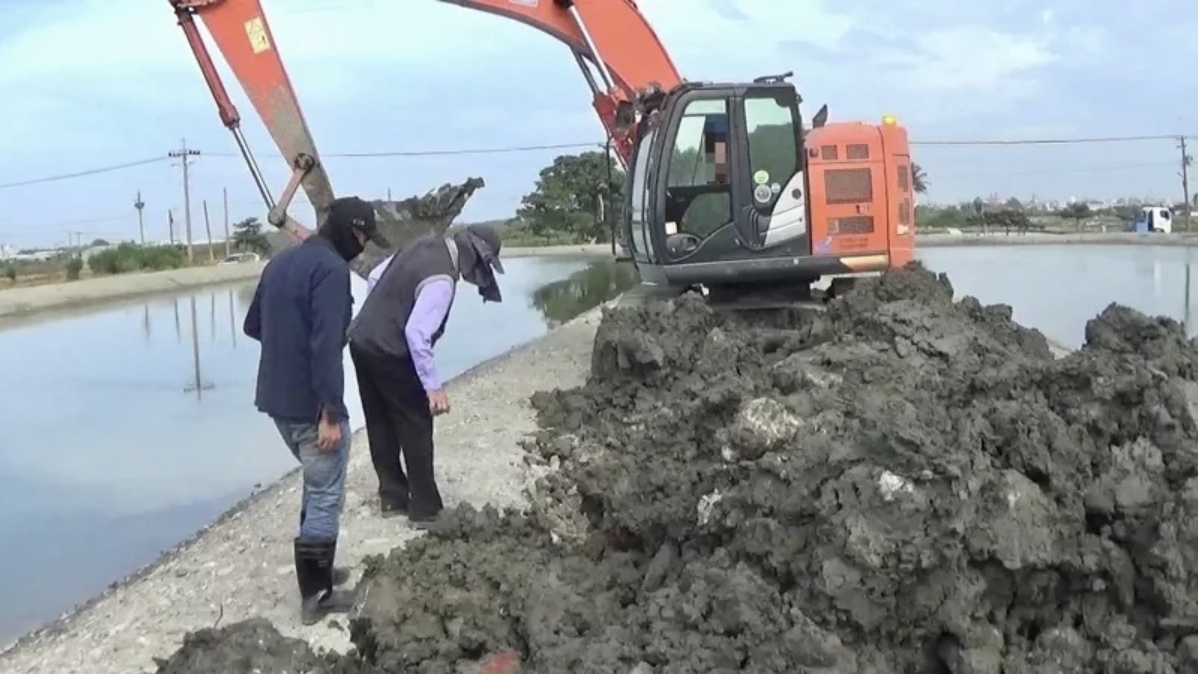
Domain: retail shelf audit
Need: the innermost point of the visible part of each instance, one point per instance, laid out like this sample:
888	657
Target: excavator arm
611	37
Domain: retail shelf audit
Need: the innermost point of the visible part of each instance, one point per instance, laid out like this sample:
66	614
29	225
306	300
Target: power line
1065	169
1045	141
80	174
593	144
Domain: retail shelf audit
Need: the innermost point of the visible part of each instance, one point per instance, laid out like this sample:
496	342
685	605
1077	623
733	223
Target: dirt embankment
25	301
905	484
16	301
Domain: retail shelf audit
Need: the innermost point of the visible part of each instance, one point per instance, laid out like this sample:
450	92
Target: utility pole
184	156
1186	160
141	224
170	222
208	229
225	195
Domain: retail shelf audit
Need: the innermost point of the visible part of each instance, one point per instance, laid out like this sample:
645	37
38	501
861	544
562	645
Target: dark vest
379	326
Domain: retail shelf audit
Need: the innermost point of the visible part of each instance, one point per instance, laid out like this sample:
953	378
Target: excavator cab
717	183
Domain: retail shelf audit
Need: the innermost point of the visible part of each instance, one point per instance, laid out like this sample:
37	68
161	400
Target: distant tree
74	268
919	179
1076	212
567	195
1013	204
248	235
99	242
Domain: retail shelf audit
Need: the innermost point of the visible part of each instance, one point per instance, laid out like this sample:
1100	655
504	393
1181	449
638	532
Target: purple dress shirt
433	300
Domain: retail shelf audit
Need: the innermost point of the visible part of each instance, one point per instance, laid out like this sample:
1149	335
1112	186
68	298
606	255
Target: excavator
727	189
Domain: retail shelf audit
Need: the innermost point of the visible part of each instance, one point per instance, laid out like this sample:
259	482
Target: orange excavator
726	186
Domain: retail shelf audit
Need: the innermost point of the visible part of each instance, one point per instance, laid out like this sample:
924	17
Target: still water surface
1058	288
131	426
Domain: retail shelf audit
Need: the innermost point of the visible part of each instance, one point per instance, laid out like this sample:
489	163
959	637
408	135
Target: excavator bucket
404	221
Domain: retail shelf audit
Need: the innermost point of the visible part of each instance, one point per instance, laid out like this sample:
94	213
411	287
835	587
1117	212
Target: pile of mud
406	220
901	484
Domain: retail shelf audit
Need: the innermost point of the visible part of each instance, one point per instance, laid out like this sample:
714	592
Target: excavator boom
607	36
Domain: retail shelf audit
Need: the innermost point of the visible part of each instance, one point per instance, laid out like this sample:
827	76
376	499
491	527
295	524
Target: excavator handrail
610	35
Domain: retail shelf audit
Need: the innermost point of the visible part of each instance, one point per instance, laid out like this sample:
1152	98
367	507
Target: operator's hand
438	402
328	436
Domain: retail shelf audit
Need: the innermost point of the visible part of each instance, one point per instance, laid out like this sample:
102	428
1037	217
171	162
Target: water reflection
563	300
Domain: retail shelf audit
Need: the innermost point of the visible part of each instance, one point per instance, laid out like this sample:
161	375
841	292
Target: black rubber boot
314	572
340	574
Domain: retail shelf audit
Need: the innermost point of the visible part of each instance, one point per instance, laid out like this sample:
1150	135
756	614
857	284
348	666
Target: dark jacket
300	313
379	327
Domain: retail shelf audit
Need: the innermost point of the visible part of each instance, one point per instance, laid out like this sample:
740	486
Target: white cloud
971	59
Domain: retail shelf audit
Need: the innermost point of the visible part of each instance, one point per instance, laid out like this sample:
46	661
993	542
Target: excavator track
806	297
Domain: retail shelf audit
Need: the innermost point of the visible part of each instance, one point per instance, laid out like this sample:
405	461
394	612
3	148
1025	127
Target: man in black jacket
300	313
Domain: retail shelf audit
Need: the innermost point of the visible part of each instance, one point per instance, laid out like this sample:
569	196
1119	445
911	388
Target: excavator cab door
771	152
717	176
684	193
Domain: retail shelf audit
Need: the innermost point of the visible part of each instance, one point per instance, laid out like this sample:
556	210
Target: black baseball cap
358	214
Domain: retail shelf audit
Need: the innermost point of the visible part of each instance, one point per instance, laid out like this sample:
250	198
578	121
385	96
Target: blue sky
90	83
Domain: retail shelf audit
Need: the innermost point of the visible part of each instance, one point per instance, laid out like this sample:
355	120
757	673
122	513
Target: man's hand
328	436
438	402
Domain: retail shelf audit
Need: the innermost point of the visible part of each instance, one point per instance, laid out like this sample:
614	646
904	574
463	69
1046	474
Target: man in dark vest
299	314
391	343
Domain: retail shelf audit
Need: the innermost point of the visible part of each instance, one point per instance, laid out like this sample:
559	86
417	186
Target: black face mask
343	238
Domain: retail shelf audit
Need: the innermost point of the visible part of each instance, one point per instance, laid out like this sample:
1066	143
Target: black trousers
398	424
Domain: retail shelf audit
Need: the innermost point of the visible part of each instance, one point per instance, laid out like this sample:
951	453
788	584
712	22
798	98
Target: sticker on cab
761	178
776	188
762	193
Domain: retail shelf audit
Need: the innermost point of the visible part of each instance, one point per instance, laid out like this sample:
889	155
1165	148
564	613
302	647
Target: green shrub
74	268
128	257
10	272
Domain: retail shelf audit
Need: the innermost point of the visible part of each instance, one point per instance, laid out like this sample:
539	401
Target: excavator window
698	191
772	124
640	213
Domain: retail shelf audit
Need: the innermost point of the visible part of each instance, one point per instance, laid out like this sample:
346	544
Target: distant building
7	252
36	255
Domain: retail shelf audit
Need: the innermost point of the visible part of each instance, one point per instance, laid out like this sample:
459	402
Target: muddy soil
408	219
902	484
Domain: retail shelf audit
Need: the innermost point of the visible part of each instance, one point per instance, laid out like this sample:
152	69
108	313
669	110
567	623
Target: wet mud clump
406	220
250	647
899	484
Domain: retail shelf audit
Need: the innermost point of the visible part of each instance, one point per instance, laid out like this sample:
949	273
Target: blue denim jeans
324	479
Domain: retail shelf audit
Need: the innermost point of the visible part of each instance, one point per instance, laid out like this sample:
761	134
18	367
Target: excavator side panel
853	205
902	185
243	36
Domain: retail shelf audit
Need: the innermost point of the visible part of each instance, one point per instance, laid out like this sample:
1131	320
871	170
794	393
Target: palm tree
919	179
